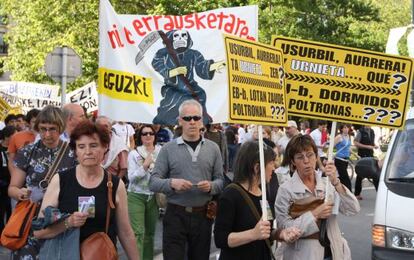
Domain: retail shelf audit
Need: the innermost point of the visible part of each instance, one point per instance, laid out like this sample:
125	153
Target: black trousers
342	166
358	184
185	232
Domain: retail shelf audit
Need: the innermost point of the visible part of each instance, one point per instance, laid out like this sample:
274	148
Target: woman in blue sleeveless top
343	150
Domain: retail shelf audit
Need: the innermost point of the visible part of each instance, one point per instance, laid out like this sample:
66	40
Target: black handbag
323	234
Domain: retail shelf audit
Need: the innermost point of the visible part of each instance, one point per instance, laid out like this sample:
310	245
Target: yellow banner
125	86
4	109
256	83
345	84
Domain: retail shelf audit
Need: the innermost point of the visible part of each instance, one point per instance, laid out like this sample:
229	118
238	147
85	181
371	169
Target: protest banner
86	97
256	86
28	103
148	65
29	89
345	84
4	109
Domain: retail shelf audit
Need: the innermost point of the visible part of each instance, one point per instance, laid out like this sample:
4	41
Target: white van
393	225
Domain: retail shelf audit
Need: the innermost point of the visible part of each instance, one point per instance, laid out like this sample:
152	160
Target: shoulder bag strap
52	170
254	210
111	204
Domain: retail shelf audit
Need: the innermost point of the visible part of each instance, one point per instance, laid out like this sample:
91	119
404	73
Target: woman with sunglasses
142	207
307	185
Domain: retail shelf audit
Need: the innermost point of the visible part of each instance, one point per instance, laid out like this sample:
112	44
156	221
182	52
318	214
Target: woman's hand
330	172
262	230
323	211
77	219
147	162
290	234
24	194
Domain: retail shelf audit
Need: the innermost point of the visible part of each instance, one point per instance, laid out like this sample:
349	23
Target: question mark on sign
284	110
397	83
273	110
382	114
368	112
395	115
281	75
278	112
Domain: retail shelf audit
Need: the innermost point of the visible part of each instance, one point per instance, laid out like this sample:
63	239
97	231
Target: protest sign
345	84
256	85
86	97
28	103
148	65
29	89
4	109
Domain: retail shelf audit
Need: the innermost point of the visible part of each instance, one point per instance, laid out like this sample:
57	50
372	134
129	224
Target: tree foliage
36	27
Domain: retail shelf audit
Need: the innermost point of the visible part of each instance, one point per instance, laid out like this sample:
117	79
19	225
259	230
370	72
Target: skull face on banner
179	64
180	40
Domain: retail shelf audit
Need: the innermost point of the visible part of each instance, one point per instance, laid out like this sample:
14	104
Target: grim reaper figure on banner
177	63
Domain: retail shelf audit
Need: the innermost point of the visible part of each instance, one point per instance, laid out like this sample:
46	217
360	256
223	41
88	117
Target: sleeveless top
70	190
343	148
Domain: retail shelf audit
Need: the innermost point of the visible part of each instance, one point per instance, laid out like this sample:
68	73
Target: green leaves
37	26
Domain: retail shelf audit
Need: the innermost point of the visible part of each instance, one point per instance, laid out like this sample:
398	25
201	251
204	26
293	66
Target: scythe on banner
149	40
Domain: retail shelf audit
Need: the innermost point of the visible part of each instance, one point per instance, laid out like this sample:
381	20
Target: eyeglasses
147	134
301	156
188	118
51	130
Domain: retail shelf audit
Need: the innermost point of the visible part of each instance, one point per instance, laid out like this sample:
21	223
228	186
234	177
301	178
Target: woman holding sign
86	192
239	230
300	203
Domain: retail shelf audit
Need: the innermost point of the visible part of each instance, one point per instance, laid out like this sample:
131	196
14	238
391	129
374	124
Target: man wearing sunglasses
189	170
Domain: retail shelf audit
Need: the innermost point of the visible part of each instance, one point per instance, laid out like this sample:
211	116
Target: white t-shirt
241	133
317	138
124	131
283	142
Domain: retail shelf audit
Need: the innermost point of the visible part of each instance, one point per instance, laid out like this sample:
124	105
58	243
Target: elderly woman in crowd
89	180
238	232
32	165
143	209
306	184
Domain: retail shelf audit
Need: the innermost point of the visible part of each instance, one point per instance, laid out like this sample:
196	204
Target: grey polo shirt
178	160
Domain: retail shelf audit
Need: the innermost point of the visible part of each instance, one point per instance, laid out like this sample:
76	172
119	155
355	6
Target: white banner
29	103
86	96
393	39
148	65
29	90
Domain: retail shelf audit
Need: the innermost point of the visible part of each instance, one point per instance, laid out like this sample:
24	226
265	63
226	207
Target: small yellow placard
256	83
4	109
345	84
125	86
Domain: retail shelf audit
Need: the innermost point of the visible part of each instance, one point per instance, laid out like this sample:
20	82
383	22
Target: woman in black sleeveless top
83	192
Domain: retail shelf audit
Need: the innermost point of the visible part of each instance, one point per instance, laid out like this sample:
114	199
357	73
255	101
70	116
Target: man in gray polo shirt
189	170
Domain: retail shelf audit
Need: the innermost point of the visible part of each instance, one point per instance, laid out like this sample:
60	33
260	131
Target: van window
399	175
402	163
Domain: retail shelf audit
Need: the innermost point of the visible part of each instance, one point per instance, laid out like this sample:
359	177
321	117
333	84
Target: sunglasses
147	134
188	118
